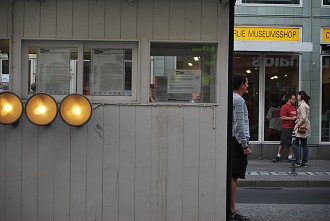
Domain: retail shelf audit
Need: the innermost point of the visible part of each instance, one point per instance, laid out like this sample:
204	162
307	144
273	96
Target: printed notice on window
53	75
107	72
184	81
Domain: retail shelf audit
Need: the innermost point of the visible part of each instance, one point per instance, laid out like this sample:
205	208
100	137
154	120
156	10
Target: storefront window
325	124
281	78
280	75
326	2
183	72
249	64
4	65
277	2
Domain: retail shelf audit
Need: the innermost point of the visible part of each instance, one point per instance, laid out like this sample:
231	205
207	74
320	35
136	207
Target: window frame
324	6
80	45
262	112
321	87
216	88
9	59
117	45
240	3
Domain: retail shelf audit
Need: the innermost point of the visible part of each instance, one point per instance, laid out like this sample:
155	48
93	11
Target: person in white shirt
274	119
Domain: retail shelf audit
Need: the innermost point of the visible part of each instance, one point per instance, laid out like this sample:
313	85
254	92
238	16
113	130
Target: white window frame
239	2
187	42
80	44
118	45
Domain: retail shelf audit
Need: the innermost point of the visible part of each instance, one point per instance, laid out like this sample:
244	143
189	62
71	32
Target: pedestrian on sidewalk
240	140
288	116
302	128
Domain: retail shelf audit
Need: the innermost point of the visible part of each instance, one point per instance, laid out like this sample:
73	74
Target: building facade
283	46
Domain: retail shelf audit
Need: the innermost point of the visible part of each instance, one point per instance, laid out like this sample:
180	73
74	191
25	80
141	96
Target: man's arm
238	115
288	118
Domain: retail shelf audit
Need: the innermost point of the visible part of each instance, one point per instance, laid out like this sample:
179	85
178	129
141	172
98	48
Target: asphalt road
284	195
284	204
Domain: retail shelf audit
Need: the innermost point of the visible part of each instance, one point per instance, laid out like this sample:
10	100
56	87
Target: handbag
302	130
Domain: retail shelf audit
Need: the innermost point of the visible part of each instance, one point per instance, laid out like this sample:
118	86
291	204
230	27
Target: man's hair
289	96
238	80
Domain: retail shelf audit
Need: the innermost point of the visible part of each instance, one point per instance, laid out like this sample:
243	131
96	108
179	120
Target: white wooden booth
133	160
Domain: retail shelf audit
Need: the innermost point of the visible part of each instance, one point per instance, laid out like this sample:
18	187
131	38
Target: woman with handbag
302	128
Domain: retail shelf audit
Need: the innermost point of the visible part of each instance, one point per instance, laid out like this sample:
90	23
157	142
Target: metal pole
293	159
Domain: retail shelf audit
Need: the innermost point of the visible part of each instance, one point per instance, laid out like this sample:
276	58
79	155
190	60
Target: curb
277	183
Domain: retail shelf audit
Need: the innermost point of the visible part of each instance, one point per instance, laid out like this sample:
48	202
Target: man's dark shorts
238	160
286	137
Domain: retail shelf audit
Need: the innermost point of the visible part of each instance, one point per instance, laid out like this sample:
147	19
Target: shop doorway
271	78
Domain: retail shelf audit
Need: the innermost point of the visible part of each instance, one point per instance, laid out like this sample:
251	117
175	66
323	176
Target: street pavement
265	173
286	212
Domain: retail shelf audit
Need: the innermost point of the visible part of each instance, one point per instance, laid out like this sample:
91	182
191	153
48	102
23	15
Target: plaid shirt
240	122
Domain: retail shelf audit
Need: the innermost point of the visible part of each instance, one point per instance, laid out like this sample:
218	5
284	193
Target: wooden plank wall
4	15
137	162
111	19
127	163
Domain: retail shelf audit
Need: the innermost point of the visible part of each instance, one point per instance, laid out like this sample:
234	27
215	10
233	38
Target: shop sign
267	33
325	35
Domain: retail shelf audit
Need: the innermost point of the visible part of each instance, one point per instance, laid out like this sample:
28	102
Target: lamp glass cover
75	110
41	109
11	108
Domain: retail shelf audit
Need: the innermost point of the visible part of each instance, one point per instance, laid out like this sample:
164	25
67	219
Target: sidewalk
265	173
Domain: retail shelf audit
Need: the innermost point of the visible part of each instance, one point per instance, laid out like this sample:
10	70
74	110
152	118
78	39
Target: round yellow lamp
41	109
11	108
75	110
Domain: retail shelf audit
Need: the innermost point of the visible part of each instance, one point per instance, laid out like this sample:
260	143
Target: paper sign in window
184	81
53	75
107	68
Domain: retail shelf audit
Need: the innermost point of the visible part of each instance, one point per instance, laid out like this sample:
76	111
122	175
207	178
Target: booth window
4	65
183	72
101	70
107	72
52	70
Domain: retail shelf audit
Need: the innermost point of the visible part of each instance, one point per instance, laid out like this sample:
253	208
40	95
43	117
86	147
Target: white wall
130	162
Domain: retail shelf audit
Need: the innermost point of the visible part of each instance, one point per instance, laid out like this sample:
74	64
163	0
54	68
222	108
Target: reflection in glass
325	125
181	71
249	64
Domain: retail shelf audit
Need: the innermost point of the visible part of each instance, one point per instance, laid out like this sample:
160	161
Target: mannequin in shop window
274	120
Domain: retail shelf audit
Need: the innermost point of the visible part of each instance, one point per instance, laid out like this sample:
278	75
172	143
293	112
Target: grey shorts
286	137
